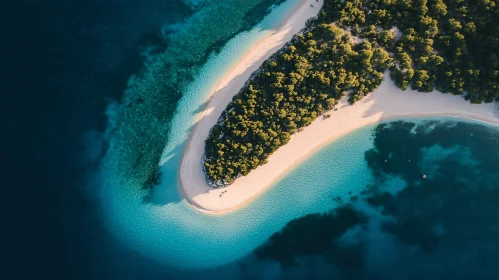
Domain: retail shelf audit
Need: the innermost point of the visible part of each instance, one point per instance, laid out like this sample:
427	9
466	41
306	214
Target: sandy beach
386	102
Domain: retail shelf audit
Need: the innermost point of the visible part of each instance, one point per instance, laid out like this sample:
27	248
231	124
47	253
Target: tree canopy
445	44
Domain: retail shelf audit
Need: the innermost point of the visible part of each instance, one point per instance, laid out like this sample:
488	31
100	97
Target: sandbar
385	103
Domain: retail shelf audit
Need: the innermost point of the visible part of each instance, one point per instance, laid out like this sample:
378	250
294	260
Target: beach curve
385	103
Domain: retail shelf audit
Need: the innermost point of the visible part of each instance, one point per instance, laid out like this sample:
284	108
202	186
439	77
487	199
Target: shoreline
259	52
386	103
310	152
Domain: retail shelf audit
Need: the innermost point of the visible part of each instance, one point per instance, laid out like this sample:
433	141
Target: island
356	63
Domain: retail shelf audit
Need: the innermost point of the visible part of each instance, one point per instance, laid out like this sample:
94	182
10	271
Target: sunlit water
429	212
86	52
162	225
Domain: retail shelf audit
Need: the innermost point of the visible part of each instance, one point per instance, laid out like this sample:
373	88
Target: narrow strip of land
386	102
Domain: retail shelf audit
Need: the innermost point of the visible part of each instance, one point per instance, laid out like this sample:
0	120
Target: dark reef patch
316	234
404	226
455	203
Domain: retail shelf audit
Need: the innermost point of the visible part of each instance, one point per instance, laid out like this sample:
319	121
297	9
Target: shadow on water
149	108
154	196
174	157
158	193
201	108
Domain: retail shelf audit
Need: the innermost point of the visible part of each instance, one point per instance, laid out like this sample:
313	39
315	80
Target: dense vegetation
293	88
449	45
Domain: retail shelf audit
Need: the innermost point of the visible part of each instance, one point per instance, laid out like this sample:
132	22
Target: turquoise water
395	227
404	226
150	100
175	233
161	225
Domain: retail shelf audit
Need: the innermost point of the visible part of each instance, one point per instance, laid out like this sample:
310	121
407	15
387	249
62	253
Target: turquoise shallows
163	226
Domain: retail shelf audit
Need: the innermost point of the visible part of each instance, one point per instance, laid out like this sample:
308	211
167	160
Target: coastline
384	104
228	86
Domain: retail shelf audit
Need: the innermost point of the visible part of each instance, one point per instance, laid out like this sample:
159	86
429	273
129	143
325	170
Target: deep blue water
66	61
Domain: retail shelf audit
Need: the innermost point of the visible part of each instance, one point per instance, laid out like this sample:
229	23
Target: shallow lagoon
173	232
162	225
58	223
155	223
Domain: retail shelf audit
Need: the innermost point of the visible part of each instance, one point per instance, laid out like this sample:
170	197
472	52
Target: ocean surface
97	93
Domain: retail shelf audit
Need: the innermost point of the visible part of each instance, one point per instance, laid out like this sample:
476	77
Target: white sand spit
386	102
